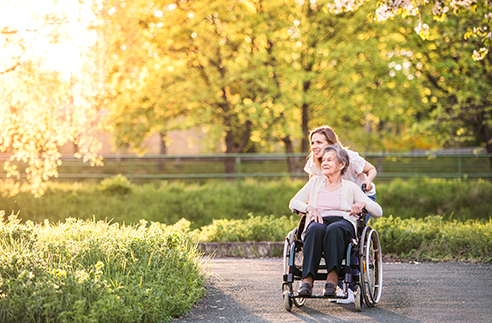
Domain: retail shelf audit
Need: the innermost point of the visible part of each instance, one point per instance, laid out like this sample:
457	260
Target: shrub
433	238
255	228
96	272
116	185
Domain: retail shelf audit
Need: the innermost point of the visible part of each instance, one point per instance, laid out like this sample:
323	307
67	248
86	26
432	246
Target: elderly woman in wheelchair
332	207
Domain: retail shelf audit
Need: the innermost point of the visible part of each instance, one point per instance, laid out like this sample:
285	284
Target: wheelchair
366	275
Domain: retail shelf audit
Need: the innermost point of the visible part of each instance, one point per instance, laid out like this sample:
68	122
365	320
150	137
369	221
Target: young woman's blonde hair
331	138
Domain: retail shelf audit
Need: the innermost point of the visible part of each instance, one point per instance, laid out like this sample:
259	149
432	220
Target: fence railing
151	167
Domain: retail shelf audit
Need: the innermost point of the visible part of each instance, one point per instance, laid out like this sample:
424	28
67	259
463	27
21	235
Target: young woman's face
318	142
330	164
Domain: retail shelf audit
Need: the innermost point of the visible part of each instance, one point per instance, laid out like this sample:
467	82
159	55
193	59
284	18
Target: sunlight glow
48	86
56	31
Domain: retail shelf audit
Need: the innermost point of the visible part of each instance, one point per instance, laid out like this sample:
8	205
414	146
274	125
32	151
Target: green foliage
168	202
418	198
453	90
429	238
86	271
433	238
116	185
255	228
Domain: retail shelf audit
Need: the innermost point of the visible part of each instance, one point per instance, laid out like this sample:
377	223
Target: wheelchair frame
368	282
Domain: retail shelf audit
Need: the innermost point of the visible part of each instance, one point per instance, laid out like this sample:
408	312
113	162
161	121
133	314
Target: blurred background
182	88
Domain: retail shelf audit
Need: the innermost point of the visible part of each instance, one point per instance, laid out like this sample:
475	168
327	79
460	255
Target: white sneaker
339	294
349	300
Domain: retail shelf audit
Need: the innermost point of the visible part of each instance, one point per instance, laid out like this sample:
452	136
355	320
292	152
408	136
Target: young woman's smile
318	142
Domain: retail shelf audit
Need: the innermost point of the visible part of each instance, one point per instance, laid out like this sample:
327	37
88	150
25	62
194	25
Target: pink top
329	203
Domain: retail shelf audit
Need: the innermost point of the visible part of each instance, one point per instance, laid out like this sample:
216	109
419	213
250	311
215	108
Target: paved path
249	290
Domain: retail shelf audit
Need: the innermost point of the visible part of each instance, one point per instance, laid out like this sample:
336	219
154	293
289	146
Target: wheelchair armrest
295	211
301	224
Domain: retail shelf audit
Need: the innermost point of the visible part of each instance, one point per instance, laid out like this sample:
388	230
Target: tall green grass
87	271
167	202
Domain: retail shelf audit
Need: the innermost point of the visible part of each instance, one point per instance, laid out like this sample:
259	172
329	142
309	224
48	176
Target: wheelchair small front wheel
358	300
287	302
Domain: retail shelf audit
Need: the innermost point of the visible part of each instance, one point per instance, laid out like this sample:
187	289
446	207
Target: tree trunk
305	114
485	133
229	162
232	146
291	161
305	128
161	162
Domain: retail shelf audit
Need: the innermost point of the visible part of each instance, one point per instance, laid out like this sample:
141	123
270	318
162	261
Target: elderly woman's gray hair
340	153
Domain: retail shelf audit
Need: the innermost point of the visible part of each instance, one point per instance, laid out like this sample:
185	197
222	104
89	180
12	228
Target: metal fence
197	167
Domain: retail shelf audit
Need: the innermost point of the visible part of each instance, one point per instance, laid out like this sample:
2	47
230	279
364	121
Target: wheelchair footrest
321	296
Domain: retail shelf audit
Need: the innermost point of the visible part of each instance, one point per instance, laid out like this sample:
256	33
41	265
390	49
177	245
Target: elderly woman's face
330	164
318	142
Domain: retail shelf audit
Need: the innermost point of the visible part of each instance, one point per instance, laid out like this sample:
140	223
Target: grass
118	200
87	271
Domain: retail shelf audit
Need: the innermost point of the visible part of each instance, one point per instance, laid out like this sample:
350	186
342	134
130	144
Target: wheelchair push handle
363	187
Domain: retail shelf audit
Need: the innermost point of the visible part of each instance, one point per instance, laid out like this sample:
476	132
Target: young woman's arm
371	173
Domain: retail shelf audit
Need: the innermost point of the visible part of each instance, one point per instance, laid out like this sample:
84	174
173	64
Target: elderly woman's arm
302	203
300	200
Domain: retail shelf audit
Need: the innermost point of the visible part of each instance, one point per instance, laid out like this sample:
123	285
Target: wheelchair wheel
371	269
287	301
286	254
290	288
299	301
358	300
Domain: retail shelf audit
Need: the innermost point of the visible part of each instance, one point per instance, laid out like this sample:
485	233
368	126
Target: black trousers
331	238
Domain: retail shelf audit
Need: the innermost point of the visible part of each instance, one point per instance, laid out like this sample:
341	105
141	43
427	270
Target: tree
210	62
42	107
339	76
455	90
478	26
247	72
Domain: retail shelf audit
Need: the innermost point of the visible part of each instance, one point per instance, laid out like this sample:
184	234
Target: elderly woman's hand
357	208
313	214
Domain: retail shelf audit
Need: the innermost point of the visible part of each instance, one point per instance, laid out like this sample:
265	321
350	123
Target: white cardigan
351	194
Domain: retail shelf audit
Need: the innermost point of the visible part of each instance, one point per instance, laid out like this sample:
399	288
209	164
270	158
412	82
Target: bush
259	228
431	238
452	199
116	185
90	271
434	238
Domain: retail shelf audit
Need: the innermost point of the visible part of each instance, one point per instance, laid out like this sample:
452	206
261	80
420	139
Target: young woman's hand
368	185
357	208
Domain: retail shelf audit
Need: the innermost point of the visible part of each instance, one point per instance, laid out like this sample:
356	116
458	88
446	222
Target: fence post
129	168
238	168
459	167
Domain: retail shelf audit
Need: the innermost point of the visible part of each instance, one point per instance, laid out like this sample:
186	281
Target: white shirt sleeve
355	171
311	168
